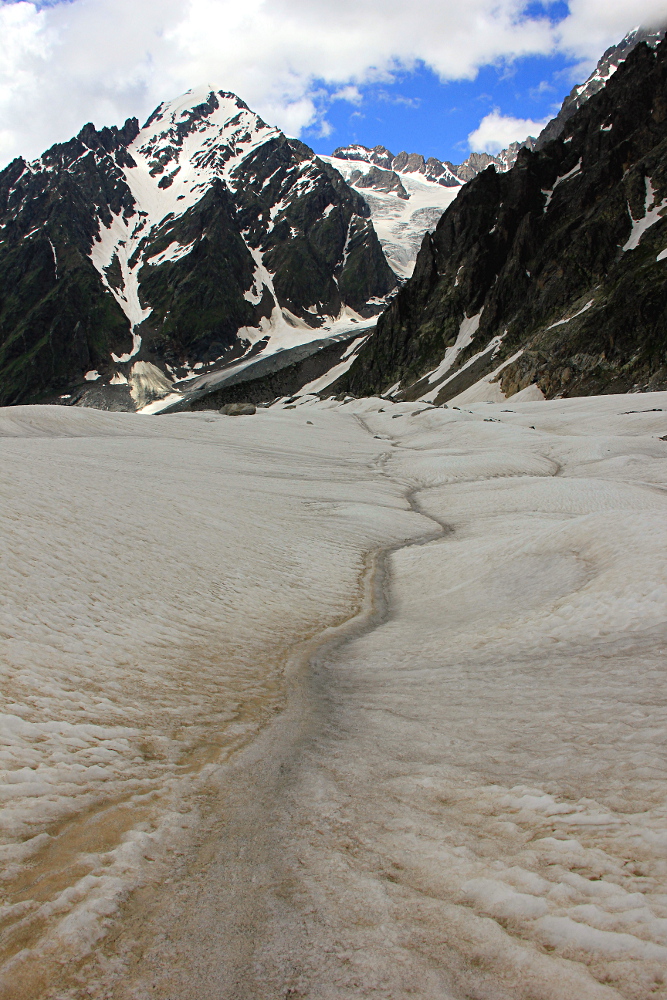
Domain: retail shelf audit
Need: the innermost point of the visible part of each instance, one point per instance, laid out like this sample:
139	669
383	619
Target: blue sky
421	114
420	76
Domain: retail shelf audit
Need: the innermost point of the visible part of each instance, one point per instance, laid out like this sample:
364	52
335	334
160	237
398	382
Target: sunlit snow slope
457	791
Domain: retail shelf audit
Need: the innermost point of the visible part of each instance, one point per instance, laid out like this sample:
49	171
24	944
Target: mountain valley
333	603
163	263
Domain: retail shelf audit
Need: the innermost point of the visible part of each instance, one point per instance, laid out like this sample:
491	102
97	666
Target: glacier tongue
400	223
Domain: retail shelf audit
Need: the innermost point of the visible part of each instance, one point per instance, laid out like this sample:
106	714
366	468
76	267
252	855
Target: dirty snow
460	792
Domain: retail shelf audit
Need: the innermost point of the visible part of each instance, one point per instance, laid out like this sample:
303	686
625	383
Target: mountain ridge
183	243
136	260
550	274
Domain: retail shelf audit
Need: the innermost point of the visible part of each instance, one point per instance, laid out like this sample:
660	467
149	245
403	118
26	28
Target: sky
439	77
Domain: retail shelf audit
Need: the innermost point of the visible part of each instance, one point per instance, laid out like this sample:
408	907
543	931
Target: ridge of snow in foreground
463	795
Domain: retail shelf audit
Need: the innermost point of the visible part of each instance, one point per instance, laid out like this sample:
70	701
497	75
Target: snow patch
175	251
467	330
562	322
319	384
652	214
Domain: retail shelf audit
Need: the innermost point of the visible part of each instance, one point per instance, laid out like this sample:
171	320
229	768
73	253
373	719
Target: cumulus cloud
593	25
496	132
103	60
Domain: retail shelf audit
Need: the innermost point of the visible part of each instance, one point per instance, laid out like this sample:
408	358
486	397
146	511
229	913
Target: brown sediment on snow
462	794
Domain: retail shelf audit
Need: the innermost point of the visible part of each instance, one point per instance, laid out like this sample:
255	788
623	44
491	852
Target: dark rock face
607	64
380	180
536	256
56	317
178	244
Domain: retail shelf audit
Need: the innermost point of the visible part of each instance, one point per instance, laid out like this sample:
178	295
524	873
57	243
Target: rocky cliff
556	269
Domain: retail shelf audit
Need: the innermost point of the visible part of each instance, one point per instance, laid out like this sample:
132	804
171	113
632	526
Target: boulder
238	409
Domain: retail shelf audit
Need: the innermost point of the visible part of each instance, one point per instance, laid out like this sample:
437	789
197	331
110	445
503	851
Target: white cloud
350	94
103	60
496	132
593	25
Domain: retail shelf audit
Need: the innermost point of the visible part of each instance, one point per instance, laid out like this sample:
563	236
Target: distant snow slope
460	792
400	222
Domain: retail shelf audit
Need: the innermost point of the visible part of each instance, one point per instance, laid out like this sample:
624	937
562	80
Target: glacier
344	699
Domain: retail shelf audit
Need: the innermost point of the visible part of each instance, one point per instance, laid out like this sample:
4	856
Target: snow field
467	796
482	811
156	575
502	773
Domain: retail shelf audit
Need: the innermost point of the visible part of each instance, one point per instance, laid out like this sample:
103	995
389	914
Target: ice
364	705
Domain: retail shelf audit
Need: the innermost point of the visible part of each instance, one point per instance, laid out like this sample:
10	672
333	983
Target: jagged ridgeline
183	244
556	270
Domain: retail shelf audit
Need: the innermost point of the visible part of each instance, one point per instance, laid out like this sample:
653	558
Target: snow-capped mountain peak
184	146
208	232
204	132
